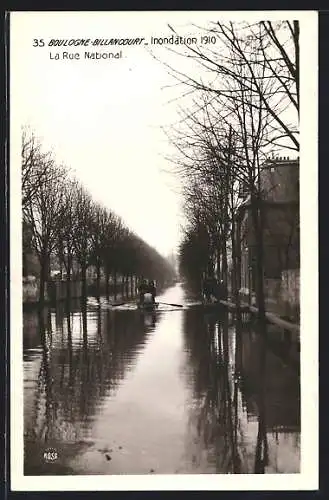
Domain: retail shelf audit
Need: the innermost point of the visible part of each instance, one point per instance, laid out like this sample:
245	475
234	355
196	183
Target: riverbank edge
272	317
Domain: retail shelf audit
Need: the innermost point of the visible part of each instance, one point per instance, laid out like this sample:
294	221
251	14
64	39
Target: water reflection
82	357
245	402
189	391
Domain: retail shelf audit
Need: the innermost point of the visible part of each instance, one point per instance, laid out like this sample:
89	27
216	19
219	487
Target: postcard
163	262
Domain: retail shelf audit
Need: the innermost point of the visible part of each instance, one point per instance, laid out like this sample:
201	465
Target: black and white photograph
163	266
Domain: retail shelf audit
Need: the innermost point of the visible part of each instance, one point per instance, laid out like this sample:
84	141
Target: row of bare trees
243	110
61	221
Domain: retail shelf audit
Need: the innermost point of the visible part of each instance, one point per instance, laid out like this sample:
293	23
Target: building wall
281	223
280	180
280	184
290	291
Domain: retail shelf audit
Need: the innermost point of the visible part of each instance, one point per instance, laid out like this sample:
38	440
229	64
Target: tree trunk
42	287
218	264
84	327
84	278
259	257
224	267
115	284
68	278
98	277
25	267
70	348
236	266
61	258
43	278
261	456
107	278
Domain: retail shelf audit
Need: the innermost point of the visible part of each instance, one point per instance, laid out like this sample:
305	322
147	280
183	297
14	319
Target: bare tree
110	240
263	59
81	228
43	216
97	227
252	89
36	167
65	236
210	169
61	219
106	231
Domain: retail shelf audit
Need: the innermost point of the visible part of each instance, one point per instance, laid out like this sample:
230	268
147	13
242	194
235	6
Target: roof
282	160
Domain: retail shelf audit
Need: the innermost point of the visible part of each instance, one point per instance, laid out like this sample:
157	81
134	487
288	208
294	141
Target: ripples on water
119	391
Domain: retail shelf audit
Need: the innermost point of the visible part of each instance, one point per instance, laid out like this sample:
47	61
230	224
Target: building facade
279	181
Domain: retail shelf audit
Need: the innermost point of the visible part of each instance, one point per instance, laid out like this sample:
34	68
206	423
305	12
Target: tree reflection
83	361
261	455
207	342
230	401
69	348
231	364
44	407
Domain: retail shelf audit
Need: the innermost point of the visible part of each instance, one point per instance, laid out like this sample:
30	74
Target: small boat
147	307
148	304
212	306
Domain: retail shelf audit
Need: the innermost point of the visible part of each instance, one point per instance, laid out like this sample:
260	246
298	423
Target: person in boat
142	289
152	290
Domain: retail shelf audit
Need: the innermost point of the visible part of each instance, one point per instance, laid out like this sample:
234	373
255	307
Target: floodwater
117	391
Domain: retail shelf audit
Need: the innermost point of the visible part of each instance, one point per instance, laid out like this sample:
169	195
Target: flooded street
120	391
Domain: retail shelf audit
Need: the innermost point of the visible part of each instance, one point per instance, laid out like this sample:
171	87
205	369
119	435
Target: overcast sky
103	118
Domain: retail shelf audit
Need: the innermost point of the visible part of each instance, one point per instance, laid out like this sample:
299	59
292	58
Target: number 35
38	43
